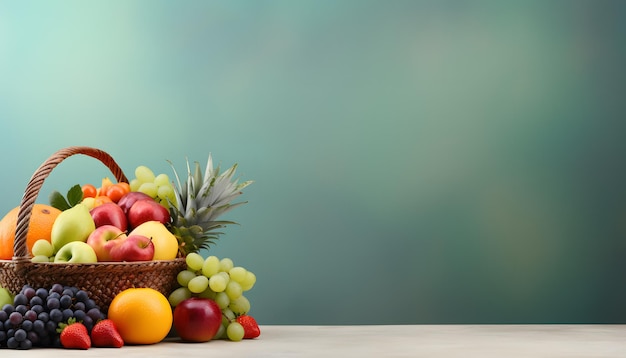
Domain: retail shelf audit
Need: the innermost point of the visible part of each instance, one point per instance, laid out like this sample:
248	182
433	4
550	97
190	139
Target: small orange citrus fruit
89	191
41	219
101	199
141	315
106	183
116	191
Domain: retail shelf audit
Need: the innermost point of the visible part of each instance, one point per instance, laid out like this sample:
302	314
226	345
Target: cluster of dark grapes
34	317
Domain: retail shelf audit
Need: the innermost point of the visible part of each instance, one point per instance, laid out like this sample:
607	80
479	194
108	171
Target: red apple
197	319
109	214
133	248
147	210
129	199
103	239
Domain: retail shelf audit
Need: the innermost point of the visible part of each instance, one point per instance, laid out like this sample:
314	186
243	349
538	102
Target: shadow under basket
102	280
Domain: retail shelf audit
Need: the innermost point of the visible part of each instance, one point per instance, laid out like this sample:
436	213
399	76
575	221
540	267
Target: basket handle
20	249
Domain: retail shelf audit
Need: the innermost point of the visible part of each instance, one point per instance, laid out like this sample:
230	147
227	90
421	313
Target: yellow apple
165	243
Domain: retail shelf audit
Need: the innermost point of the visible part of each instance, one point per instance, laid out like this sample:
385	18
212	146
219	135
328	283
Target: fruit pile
109	223
149	218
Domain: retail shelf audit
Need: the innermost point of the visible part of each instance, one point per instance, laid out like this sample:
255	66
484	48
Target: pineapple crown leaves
200	201
213	191
193	238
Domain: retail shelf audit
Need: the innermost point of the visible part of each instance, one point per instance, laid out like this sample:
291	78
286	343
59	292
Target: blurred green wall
414	161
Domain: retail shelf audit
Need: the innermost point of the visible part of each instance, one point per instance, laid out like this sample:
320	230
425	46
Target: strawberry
250	327
74	335
105	334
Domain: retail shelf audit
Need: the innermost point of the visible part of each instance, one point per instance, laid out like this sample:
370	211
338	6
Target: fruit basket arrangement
102	280
145	236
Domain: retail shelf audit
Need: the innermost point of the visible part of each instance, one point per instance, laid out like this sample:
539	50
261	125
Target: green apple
41	258
42	247
5	297
73	224
76	252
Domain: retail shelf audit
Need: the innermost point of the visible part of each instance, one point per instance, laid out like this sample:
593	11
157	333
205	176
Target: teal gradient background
414	161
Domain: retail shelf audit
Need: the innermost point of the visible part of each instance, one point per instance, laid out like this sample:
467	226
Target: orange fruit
89	191
106	183
124	186
101	199
115	192
41	219
141	315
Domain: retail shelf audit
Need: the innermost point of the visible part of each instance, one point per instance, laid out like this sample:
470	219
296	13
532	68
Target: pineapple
199	203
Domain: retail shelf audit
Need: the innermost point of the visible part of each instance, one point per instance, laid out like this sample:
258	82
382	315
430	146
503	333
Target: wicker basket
103	280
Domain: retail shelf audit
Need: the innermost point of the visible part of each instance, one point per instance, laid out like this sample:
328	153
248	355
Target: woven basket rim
99	263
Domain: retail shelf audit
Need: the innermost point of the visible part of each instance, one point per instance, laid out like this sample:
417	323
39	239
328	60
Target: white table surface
386	341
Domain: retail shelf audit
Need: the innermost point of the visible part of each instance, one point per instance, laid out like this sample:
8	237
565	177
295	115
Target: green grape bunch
159	187
219	280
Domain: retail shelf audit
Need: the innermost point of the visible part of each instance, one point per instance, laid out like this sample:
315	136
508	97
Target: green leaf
75	195
62	325
58	201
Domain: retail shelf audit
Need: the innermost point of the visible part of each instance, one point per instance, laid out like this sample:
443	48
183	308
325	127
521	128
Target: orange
115	192
41	219
124	186
141	315
89	191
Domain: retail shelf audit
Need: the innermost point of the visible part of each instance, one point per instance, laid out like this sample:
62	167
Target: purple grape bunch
34	317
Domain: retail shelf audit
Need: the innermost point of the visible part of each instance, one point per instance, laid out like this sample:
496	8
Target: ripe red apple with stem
134	248
103	239
197	319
